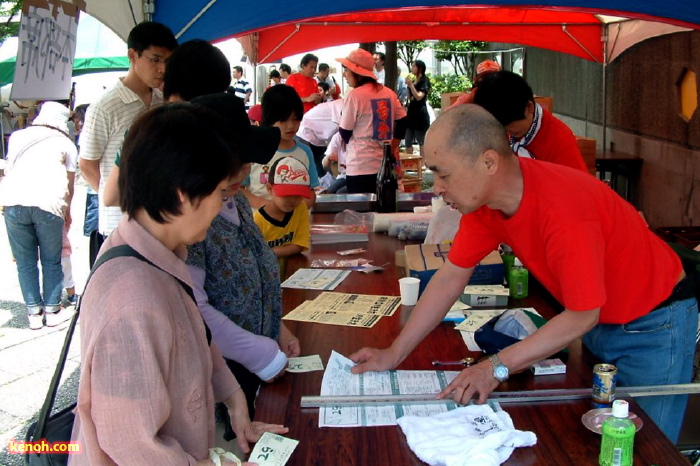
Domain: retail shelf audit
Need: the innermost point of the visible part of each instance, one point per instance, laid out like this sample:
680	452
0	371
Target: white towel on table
474	435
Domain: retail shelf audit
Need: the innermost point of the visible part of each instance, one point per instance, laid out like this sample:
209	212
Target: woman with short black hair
149	377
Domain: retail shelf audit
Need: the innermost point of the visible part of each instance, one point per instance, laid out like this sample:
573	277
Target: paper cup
437	203
409	290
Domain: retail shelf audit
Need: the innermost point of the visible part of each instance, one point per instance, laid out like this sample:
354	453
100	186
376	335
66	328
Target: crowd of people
213	190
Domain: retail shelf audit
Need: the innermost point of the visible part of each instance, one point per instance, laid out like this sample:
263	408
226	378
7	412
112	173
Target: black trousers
362	184
96	240
319	152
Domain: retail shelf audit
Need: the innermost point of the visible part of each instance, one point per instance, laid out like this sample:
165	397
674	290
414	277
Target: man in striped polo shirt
106	121
241	88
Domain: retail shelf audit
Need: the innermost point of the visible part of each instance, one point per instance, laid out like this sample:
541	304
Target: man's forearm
90	170
555	335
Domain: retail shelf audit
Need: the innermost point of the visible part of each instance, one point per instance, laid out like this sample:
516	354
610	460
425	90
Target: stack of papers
352	310
330	234
339	381
316	279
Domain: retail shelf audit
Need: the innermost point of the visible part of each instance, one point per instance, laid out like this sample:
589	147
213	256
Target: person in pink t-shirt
372	115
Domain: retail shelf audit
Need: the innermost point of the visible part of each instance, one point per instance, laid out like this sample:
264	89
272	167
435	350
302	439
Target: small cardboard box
549	367
423	260
448	98
485	296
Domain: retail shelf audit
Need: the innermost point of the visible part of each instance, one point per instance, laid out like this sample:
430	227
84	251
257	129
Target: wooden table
561	437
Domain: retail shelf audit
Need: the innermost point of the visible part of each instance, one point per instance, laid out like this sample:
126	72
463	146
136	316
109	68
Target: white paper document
358	303
476	318
316	279
307	312
339	381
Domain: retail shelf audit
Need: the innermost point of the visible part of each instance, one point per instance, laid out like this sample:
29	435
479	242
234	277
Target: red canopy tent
576	33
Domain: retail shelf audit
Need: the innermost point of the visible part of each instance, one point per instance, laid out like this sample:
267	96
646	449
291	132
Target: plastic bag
350	217
408	230
338	263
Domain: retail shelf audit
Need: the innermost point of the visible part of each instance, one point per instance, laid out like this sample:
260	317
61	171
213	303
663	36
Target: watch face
500	372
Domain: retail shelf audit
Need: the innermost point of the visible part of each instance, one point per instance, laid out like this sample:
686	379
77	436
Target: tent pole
149	7
604	90
255	81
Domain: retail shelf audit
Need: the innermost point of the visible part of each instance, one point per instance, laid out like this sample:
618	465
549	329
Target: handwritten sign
47	35
273	450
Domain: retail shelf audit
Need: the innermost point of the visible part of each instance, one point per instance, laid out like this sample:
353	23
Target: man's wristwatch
500	371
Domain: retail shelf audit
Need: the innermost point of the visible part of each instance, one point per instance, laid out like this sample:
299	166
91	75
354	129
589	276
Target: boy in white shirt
282	108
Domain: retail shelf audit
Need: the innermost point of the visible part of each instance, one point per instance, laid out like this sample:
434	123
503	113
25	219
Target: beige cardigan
148	379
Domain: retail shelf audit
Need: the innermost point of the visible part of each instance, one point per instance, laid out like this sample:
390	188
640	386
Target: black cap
258	144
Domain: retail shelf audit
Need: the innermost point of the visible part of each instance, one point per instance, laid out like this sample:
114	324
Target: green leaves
408	51
446	83
459	53
9	11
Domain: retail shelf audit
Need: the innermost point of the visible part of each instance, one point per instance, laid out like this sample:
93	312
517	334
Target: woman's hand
288	343
247	431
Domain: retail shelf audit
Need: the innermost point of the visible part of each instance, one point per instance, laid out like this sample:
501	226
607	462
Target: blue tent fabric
227	18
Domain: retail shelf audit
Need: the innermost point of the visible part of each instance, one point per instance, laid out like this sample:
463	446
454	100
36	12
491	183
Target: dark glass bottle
387	182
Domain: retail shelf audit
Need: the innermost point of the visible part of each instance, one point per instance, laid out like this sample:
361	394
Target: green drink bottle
517	280
616	448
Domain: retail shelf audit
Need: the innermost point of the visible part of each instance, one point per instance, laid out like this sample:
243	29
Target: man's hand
373	359
315	98
288	343
476	380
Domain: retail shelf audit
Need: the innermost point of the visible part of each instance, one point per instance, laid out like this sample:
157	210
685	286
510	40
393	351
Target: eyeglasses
156	60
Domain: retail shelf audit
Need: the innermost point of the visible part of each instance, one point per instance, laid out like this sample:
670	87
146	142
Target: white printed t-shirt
370	115
258	172
106	122
35	176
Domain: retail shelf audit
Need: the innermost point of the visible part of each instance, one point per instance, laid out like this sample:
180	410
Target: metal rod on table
501	397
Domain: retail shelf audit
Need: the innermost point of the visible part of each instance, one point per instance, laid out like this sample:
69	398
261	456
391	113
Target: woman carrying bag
149	377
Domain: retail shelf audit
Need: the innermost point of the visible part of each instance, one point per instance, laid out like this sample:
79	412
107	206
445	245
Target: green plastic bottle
517	280
616	448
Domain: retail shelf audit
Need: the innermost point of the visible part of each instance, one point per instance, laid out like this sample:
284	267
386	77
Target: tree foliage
10	12
408	51
460	53
445	83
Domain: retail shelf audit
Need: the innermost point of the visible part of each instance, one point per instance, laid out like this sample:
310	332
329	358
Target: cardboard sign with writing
47	40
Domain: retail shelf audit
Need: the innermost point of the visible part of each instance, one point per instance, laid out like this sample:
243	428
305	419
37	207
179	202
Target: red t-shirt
304	86
583	242
556	143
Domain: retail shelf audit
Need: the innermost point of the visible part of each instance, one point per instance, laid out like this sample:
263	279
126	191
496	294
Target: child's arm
302	235
255	201
287	250
311	201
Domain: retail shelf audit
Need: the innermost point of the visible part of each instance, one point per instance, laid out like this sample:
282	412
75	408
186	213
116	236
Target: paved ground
28	357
